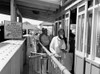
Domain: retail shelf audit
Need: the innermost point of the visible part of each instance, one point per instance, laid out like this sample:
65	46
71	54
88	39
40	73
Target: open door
80	38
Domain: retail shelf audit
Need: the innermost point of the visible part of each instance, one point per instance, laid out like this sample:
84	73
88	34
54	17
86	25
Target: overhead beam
13	11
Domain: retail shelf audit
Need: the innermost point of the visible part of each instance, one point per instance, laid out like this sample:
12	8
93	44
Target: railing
38	63
57	63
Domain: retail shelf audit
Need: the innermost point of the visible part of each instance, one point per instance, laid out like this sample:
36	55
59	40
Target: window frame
77	52
95	53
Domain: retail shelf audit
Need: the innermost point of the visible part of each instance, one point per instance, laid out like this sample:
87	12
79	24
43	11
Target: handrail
61	67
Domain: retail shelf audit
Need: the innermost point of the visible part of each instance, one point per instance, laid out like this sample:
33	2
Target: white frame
77	52
94	34
91	9
89	55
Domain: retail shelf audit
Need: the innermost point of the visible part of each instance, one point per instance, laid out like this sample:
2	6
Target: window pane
89	25
78	31
98	34
66	28
82	8
55	29
98	45
67	15
97	1
82	32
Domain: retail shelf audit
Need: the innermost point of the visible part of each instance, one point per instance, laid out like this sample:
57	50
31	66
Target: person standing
58	43
44	38
58	46
72	48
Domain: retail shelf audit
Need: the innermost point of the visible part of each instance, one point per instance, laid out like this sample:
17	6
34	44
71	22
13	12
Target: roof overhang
34	9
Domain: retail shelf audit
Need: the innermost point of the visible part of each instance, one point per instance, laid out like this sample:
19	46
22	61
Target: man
44	38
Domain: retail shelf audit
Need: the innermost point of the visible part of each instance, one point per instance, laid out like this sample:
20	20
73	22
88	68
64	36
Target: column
13	11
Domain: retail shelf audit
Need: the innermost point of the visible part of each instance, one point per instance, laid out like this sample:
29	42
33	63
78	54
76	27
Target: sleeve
52	46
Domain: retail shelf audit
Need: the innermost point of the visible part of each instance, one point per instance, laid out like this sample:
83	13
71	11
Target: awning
27	25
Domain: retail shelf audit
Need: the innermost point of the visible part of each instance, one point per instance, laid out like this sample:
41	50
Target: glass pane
82	32
67	15
82	8
66	28
97	1
98	34
90	3
56	29
78	31
89	25
98	45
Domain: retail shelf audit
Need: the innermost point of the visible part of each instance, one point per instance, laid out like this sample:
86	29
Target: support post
13	11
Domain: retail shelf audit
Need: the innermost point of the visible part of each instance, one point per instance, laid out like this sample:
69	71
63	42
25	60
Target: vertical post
13	11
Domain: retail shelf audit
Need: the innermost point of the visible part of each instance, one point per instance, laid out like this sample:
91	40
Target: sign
13	30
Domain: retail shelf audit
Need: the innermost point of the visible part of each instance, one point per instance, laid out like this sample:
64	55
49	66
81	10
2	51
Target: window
63	16
66	28
67	15
55	28
89	28
80	32
78	28
82	8
98	35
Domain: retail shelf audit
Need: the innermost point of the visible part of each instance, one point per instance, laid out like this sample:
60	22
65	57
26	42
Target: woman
58	44
58	47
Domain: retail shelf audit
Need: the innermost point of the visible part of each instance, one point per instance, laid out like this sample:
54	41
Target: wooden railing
57	63
38	63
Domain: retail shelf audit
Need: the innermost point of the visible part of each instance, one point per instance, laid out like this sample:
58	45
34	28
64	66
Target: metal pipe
61	67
